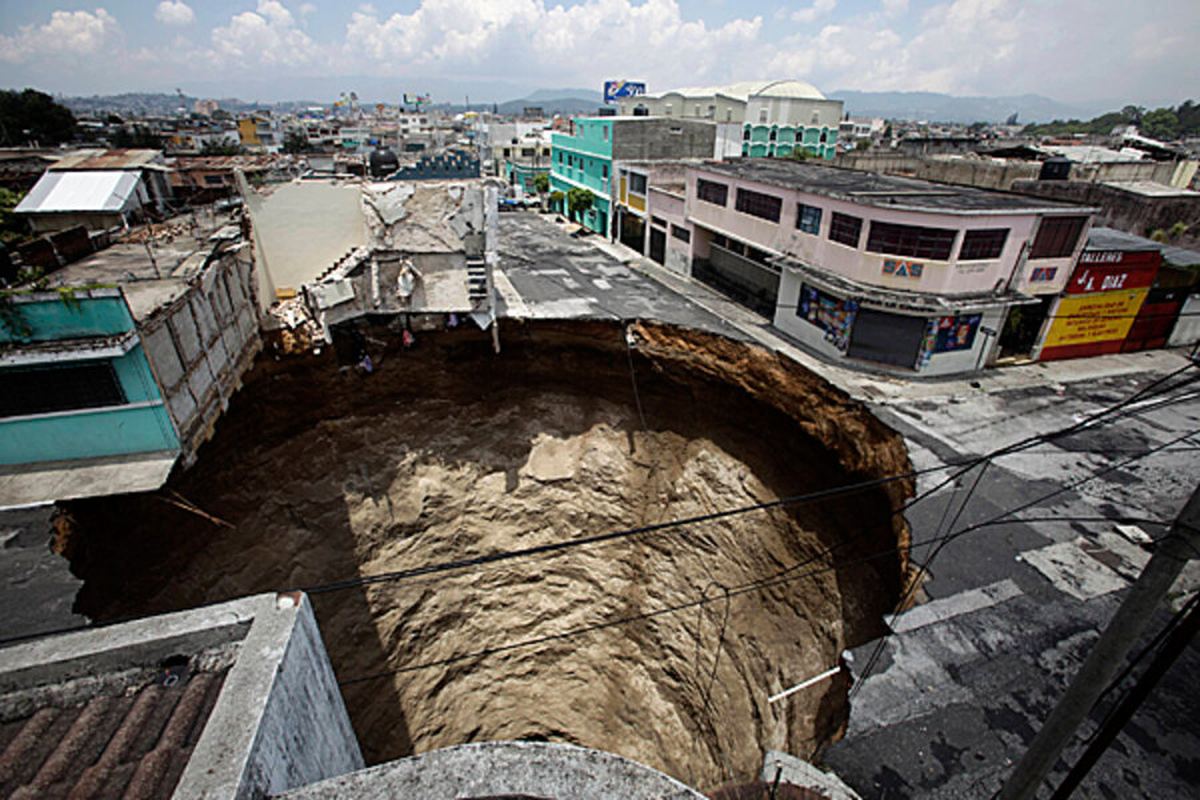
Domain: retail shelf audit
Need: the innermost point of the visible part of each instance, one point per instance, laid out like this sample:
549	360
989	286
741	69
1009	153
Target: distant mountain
937	107
560	105
542	95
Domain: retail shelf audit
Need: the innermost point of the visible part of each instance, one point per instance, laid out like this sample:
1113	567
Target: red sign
1114	270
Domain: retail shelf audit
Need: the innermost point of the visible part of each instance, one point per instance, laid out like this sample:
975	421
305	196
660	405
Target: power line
878	650
729	592
571	544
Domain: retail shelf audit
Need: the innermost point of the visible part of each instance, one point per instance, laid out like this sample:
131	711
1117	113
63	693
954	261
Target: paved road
954	697
949	705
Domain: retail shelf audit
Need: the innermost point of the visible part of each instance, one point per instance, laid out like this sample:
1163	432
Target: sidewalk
880	388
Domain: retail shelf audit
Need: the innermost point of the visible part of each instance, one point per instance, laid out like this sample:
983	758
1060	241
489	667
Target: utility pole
1126	627
1176	642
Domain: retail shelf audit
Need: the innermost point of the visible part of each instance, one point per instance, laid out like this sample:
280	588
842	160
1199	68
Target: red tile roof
118	744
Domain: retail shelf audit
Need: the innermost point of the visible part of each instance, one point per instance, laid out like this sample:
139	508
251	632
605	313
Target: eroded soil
448	451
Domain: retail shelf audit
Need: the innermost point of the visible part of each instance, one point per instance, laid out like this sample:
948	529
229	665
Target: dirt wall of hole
447	450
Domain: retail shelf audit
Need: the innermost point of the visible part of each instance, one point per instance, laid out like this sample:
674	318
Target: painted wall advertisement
834	316
1091	324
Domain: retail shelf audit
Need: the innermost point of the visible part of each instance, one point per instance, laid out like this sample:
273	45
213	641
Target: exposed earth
447	451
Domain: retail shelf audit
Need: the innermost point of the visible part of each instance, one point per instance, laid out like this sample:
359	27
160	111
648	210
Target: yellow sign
1085	318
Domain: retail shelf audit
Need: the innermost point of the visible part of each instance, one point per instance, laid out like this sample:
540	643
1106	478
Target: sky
1143	52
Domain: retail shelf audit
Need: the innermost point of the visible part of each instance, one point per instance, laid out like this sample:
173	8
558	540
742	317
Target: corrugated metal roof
79	191
108	159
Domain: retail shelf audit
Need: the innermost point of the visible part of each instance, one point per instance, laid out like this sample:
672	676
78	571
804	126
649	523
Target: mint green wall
91	433
57	318
581	160
787	139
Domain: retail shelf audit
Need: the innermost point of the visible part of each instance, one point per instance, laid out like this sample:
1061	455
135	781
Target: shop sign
902	269
831	314
1092	319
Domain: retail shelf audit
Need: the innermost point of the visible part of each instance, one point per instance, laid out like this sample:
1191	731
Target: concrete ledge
799	772
490	769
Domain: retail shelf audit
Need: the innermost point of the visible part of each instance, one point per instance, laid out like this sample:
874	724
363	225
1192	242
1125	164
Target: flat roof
885	191
1113	239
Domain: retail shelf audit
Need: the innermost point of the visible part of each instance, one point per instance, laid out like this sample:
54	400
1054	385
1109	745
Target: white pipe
806	684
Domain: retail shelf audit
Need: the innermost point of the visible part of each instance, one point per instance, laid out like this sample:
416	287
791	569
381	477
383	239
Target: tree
1161	124
862	144
541	182
579	201
33	116
224	147
12	228
296	142
139	136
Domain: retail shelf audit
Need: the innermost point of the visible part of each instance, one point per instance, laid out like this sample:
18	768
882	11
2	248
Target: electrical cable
734	591
555	547
759	585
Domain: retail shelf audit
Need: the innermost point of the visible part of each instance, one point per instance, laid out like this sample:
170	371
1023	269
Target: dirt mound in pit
449	451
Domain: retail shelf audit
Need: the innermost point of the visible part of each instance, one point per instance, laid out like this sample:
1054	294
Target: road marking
965	602
1073	571
514	306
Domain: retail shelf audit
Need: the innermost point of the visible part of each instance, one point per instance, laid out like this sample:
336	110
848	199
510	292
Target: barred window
845	229
980	244
712	192
757	204
808	218
910	240
1057	237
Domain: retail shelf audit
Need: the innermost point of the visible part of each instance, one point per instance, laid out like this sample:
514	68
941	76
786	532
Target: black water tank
383	162
1056	168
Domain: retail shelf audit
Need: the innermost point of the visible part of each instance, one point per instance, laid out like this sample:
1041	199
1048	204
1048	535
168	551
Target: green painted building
584	160
782	140
77	384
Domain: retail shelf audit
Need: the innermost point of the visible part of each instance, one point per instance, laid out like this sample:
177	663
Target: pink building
895	273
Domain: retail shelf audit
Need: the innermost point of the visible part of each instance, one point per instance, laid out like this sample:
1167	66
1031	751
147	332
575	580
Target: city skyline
500	50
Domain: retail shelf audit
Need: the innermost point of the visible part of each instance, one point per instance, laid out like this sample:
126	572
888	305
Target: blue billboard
615	90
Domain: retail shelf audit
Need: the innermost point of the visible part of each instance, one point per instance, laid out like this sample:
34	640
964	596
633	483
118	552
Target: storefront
904	332
1103	298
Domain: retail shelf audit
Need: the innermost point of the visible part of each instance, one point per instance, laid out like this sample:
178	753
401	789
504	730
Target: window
668	109
757	204
762	115
824	137
605	129
659	221
527	151
1057	237
910	240
746	134
773	135
816	118
214	180
507	152
845	229
712	192
560	158
983	244
681	233
697	109
43	390
604	171
637	183
808	218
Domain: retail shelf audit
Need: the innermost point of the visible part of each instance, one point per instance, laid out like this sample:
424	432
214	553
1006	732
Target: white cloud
894	8
174	12
266	36
306	8
525	40
819	8
76	33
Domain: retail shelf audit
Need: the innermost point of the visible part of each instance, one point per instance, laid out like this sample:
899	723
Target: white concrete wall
942	277
300	229
1187	327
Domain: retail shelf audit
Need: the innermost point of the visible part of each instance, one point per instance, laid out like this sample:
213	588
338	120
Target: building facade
601	147
759	118
891	273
